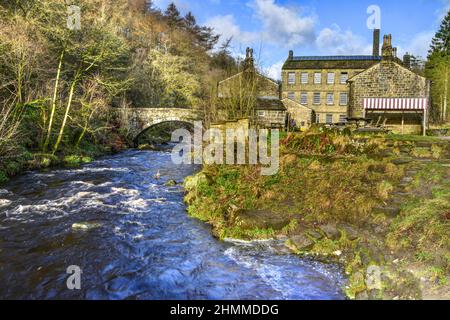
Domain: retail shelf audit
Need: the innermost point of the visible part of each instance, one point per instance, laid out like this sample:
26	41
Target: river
140	242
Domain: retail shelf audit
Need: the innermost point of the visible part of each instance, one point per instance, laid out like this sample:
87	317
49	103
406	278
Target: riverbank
368	203
29	160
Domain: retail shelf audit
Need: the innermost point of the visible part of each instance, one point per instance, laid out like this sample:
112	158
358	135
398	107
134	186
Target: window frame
333	78
302	78
317	76
291	96
314	98
304	95
332	99
346	97
341	77
327	118
291	81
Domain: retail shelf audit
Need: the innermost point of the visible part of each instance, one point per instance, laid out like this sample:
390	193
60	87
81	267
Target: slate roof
331	62
269	103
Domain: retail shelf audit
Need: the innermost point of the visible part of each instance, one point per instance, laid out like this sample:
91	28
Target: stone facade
388	79
327	96
300	114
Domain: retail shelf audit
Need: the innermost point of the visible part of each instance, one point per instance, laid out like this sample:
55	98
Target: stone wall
303	116
136	120
271	119
387	79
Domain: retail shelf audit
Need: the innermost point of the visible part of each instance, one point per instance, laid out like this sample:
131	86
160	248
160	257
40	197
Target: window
343	101
317	118
329	118
304	98
291	95
330	98
291	78
261	114
316	98
317	78
344	77
305	78
330	79
343	118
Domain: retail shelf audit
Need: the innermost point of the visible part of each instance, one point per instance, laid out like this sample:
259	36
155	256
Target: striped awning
396	103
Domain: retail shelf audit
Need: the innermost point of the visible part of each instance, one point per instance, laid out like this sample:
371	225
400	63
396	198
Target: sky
315	27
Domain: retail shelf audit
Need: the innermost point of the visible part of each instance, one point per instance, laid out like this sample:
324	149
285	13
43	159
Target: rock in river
85	226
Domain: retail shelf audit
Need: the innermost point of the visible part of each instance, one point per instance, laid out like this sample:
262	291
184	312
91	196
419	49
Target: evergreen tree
438	70
441	41
173	15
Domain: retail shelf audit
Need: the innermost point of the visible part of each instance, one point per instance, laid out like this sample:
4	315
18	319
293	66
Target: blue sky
315	27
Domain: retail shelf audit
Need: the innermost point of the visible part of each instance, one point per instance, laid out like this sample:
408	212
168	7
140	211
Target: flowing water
138	241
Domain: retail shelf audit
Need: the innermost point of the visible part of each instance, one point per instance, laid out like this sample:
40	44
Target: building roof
330	62
269	103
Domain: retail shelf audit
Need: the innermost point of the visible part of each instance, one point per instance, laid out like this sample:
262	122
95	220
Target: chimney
376	42
291	55
387	51
407	60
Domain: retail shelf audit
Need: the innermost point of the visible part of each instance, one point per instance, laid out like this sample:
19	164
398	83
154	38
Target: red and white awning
396	103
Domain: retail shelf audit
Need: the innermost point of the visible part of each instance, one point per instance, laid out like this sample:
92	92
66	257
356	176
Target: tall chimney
376	42
407	60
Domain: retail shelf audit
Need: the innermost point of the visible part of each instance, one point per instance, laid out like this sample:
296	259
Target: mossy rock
331	231
171	183
193	182
260	219
302	242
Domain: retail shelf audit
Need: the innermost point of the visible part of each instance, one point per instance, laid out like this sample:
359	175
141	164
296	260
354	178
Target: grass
330	178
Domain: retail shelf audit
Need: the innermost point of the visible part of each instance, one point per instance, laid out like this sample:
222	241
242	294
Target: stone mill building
380	88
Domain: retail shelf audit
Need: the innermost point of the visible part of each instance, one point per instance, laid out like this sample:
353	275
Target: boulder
331	231
85	226
314	234
352	233
302	242
261	219
170	183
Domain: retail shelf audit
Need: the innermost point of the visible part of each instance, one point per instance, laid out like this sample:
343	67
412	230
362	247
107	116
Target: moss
3	177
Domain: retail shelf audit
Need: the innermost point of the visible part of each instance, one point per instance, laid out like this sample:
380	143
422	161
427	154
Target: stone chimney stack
376	42
387	51
407	60
291	55
249	63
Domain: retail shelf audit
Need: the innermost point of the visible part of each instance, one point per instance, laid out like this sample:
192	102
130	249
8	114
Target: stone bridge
138	120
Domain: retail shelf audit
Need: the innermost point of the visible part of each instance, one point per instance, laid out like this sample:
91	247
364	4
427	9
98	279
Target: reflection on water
134	240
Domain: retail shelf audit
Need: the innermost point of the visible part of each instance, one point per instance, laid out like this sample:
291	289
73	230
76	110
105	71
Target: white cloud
334	41
283	26
227	27
280	26
274	71
419	44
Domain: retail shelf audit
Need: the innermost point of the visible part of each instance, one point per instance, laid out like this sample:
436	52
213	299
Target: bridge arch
139	120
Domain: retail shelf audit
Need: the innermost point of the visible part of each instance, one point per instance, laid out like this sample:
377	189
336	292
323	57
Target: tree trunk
66	114
55	94
445	95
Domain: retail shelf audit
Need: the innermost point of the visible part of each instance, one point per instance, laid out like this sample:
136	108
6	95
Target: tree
173	16
438	70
